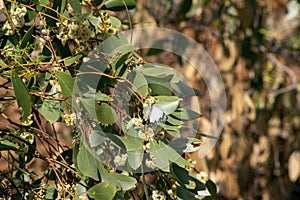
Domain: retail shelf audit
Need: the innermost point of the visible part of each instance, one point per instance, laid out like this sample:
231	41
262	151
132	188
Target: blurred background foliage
255	45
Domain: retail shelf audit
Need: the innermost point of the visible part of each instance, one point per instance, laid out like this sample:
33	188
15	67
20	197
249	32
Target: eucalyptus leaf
75	4
140	83
161	151
27	37
117	180
126	182
135	158
174	121
66	82
156	70
185	179
50	110
118	5
22	95
103	191
118	45
104	113
212	188
96	139
179	144
184	89
31	14
183	193
81	191
87	163
132	143
115	22
51	192
6	145
72	60
186	114
185	7
174	133
93	20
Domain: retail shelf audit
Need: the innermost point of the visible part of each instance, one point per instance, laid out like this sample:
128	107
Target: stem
129	19
199	133
145	184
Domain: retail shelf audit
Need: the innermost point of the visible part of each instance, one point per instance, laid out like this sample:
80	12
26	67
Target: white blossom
138	122
158	195
28	121
202	177
146	133
29	137
17	16
150	163
120	160
70	119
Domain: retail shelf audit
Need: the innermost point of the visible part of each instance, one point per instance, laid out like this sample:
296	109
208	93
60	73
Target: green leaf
179	144
66	82
75	4
6	145
160	89
115	22
185	7
156	70
174	121
135	159
27	37
118	180
212	188
132	143
93	20
185	179
22	95
31	14
104	113
87	163
81	191
184	89
96	139
126	182
168	104
140	83
168	127
102	97
118	5
161	151
186	114
81	17
161	157
103	191
50	110
71	60
51	192
118	45
174	133
183	193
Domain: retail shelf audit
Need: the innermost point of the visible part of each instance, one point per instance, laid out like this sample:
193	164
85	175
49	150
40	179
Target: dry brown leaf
294	166
225	145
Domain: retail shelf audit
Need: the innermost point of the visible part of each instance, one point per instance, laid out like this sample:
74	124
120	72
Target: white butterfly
153	114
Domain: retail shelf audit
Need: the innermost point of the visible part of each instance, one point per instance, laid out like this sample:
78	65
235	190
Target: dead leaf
294	166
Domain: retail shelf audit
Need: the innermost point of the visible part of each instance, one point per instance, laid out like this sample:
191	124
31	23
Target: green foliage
21	93
102	191
121	111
